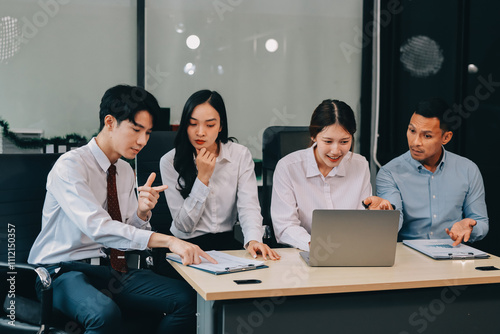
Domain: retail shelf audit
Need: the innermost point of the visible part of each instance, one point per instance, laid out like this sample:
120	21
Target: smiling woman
327	175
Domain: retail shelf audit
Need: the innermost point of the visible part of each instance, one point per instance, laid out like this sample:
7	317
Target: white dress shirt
299	188
75	223
231	195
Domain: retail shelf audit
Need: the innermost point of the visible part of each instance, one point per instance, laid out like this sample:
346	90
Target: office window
273	61
58	57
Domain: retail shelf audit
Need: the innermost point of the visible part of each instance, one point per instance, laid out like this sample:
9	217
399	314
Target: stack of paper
225	263
442	249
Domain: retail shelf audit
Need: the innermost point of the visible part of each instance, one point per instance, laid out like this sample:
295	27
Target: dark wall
418	60
480	106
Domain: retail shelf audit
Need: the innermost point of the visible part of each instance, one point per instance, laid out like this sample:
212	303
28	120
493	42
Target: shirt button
433	196
431	233
435	216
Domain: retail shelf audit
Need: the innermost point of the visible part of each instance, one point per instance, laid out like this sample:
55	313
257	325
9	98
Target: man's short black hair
123	102
435	107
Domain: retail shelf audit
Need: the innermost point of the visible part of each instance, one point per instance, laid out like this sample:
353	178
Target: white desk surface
290	276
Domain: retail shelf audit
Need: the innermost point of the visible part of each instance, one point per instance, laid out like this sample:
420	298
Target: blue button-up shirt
431	202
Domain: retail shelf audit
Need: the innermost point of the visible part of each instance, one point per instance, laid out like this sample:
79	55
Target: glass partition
57	57
273	61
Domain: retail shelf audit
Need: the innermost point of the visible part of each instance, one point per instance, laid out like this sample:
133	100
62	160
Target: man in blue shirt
439	193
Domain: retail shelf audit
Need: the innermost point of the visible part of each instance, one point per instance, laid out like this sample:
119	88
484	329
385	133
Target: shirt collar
312	166
443	160
223	153
419	166
99	155
341	169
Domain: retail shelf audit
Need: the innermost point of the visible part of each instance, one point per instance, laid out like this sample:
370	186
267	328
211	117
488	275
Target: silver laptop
353	238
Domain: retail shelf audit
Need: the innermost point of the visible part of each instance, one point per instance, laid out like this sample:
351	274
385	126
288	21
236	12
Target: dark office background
449	49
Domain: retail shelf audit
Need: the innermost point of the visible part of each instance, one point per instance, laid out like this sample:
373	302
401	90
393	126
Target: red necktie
117	257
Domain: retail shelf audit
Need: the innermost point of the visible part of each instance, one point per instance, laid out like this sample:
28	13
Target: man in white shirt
78	232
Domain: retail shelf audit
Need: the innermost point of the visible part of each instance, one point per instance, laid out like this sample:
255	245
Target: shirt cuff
199	191
302	242
304	246
253	235
141	239
139	223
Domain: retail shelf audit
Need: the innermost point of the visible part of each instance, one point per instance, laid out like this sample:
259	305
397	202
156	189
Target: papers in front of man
442	249
226	263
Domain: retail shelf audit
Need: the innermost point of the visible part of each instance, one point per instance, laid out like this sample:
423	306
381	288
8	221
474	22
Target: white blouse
230	196
299	188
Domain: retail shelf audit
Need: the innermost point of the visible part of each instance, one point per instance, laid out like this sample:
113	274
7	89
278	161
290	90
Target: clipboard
226	264
442	249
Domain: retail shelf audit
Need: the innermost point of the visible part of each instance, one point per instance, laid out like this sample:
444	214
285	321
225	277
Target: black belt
96	261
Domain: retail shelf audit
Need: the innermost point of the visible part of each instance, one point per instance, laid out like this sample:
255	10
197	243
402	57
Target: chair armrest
45	314
42	273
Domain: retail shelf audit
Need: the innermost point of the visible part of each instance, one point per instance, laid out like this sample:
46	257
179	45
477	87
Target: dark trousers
96	295
216	241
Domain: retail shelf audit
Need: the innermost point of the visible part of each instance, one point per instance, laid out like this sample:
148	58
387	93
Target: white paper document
442	249
225	263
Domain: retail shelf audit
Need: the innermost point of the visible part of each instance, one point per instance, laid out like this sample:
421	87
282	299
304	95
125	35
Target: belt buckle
95	261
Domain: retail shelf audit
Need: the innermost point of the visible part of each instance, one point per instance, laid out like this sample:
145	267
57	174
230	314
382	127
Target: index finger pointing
150	180
160	188
458	240
208	257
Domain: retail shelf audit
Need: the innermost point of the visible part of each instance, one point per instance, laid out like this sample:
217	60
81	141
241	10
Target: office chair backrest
22	193
278	141
148	161
23	179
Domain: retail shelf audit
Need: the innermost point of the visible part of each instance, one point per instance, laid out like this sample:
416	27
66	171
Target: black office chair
22	193
146	162
278	141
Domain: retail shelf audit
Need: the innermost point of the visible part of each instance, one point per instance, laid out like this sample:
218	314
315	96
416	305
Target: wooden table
416	295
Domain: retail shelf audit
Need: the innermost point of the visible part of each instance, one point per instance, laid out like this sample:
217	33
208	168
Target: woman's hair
331	112
184	163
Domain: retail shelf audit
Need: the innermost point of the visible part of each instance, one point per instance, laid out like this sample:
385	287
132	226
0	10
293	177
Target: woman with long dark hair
327	175
211	181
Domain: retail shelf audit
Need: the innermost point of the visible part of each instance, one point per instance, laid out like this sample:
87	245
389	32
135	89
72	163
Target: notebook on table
443	249
353	238
226	263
